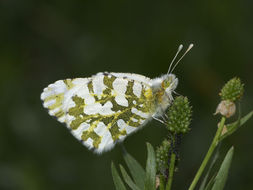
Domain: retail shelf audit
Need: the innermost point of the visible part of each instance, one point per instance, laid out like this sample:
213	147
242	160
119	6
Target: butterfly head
163	87
169	83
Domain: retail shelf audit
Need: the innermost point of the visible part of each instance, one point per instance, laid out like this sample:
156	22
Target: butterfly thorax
162	88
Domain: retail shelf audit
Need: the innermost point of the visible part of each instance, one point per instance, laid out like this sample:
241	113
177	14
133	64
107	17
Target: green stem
161	185
208	154
171	171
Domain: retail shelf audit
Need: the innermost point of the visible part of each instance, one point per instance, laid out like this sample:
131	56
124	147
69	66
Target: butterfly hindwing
56	97
103	109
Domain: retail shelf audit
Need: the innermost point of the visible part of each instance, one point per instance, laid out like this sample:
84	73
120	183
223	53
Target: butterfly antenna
180	47
188	49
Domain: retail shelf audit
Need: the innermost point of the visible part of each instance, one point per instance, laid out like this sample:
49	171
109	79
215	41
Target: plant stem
171	171
208	154
162	183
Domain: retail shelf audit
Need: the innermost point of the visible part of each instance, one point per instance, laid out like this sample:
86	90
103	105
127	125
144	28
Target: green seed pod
162	156
179	115
232	90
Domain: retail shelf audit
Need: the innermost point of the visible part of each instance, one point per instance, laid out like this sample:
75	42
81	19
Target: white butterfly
105	108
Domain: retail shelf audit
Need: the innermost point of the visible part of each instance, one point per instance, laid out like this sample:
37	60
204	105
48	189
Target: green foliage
141	179
203	185
119	185
217	181
232	90
135	169
221	177
210	183
128	179
179	115
232	127
150	169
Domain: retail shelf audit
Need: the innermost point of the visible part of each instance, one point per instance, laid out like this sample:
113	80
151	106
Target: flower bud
162	156
232	90
179	115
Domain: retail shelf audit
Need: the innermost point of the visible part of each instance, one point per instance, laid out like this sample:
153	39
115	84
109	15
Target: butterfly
105	108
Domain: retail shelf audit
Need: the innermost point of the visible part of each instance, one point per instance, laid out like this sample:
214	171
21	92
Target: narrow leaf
136	170
232	127
150	169
221	177
119	185
215	157
128	179
210	183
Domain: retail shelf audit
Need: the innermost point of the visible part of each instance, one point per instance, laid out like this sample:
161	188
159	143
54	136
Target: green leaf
220	179
128	179
210	183
150	169
232	127
215	157
136	170
119	185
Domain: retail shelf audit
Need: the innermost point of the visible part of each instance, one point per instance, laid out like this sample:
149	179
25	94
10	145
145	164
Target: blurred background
44	41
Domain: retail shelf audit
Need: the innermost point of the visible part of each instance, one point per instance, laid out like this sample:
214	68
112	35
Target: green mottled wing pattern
101	110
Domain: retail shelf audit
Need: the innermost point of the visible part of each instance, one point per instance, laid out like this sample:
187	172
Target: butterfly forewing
103	109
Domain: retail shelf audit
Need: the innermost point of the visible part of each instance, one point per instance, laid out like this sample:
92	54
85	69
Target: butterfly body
104	109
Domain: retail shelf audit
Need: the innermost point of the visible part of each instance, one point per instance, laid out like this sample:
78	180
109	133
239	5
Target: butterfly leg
176	93
165	118
161	121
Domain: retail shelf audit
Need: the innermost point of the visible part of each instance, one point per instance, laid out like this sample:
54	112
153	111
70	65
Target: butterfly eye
167	83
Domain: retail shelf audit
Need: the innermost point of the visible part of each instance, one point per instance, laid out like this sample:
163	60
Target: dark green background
43	41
